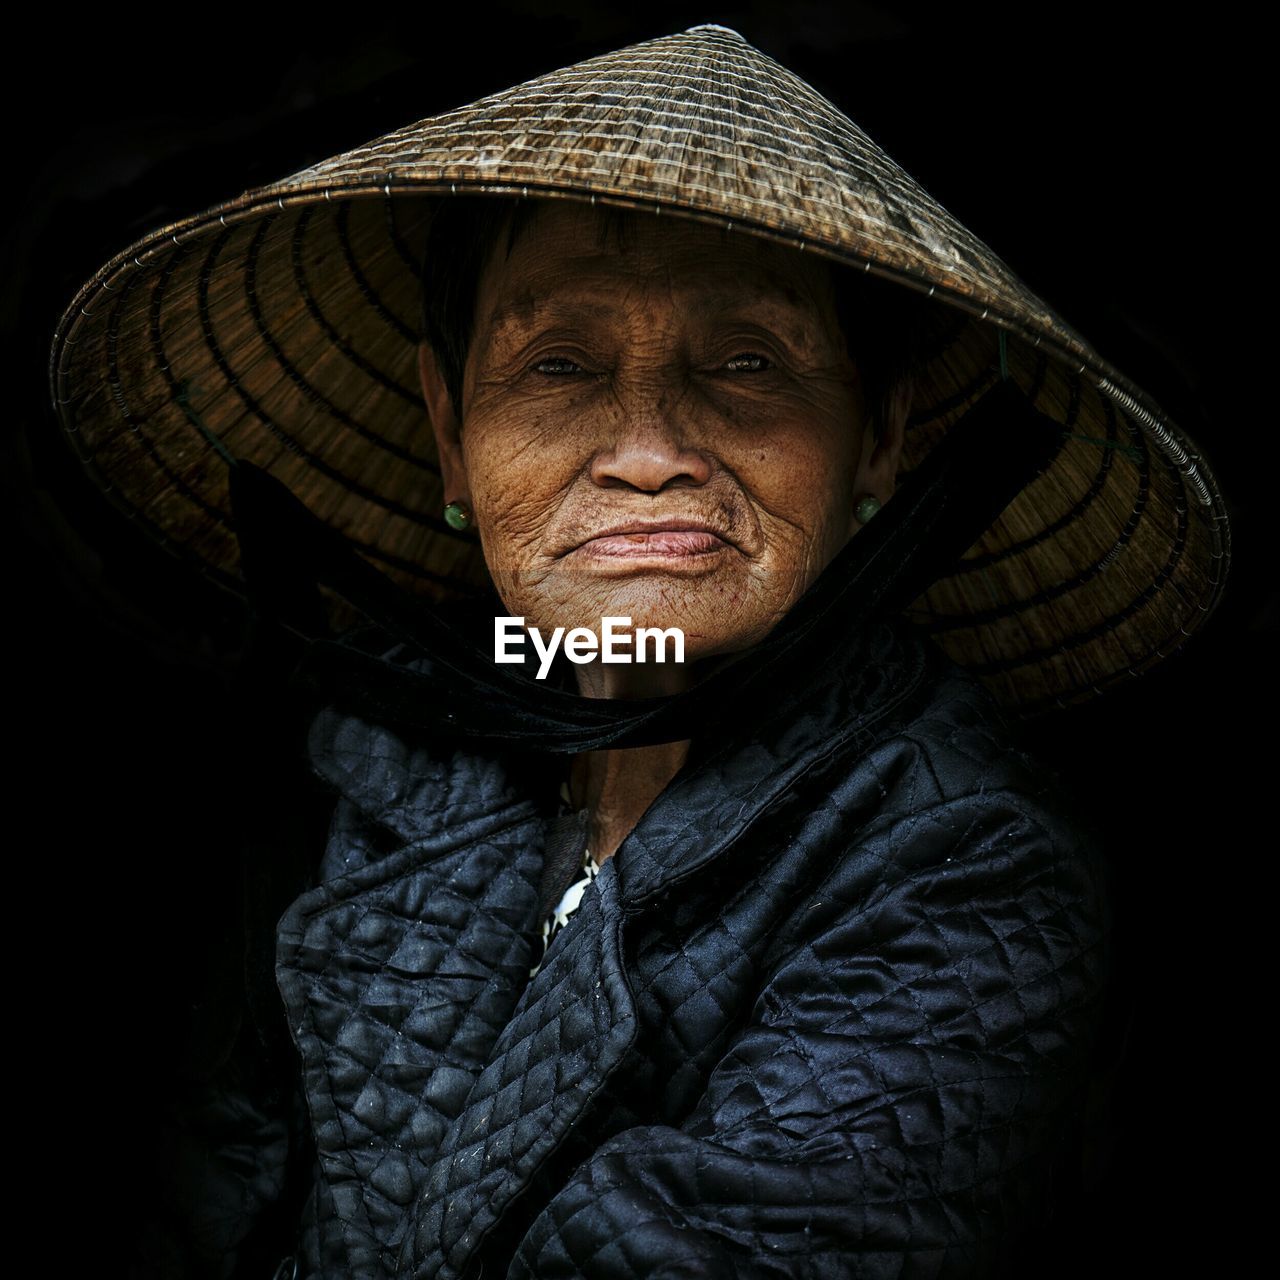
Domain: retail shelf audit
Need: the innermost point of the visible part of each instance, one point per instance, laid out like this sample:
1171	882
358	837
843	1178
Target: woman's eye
558	362
748	362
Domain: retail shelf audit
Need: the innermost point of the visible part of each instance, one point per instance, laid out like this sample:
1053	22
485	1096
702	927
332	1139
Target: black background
1102	154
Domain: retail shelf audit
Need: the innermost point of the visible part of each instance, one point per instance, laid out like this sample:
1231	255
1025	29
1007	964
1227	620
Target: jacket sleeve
894	1102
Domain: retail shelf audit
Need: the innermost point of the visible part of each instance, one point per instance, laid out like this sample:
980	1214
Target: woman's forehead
566	252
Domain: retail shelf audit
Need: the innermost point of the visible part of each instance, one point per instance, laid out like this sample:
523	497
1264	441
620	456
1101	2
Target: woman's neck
617	785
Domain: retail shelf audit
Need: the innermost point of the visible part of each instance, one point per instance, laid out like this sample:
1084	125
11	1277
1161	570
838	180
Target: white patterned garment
571	897
567	905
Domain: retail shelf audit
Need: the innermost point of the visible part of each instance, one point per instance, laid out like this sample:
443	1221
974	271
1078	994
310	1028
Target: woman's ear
444	425
881	453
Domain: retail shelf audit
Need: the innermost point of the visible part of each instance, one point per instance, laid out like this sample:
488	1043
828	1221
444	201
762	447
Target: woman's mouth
648	543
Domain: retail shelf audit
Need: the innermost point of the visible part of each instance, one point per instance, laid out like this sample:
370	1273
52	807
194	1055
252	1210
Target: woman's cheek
513	495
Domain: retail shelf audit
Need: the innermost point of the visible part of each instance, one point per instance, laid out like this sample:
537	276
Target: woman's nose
649	453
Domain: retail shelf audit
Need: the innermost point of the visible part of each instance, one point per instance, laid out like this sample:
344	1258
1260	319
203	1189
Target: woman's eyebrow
529	309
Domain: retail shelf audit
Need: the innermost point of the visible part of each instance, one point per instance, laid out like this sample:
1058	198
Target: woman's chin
706	616
710	617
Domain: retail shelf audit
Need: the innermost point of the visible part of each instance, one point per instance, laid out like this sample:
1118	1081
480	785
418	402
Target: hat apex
715	26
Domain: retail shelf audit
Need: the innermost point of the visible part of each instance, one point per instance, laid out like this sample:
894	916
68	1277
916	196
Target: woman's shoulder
952	741
396	787
947	813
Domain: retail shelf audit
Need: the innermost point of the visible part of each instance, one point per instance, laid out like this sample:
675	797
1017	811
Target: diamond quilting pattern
403	977
822	1014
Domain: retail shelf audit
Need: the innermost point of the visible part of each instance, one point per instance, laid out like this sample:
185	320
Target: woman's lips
673	543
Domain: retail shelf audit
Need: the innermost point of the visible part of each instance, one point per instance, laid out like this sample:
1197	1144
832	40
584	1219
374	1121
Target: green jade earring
457	515
866	508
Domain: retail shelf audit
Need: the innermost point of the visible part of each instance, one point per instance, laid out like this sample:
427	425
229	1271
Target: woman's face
665	427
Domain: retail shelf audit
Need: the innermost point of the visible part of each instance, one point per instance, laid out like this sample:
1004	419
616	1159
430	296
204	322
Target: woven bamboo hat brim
280	327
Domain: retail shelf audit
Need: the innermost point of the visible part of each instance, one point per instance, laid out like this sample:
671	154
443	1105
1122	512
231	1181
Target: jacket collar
730	779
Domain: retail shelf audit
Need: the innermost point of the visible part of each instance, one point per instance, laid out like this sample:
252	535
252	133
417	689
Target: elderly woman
691	452
777	960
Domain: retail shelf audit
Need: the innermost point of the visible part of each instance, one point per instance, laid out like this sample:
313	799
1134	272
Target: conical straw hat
280	328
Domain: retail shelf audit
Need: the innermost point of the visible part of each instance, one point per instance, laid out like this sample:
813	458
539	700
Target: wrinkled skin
675	373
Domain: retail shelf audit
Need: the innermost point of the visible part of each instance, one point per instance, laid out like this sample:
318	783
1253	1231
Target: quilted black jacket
824	1013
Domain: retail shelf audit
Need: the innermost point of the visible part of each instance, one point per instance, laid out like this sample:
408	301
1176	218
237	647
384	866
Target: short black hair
886	326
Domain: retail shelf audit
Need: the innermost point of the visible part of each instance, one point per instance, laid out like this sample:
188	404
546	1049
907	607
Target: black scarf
938	512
